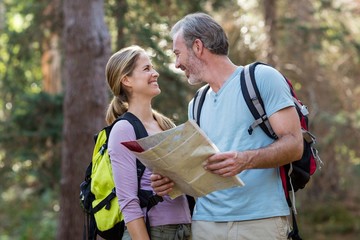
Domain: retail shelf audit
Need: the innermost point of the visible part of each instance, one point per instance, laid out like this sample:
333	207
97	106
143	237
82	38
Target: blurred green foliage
30	172
330	220
31	119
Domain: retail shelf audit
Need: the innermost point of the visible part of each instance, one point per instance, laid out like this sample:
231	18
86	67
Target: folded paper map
179	153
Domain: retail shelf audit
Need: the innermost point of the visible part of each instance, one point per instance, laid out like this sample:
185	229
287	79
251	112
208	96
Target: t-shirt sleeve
273	89
123	163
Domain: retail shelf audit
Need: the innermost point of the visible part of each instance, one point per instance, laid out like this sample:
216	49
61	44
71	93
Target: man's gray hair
204	27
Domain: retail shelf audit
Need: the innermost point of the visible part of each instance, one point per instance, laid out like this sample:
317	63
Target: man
259	209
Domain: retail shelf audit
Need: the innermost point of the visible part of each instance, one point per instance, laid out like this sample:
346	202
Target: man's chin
192	81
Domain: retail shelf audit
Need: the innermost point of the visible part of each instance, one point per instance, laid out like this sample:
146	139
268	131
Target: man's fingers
223	164
214	164
221	156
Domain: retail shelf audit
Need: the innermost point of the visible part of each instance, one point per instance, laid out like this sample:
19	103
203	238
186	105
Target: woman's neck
144	113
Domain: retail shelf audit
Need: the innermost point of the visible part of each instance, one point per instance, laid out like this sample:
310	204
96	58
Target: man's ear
198	47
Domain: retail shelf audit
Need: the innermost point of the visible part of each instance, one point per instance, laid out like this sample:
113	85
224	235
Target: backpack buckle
304	110
309	138
256	123
102	149
108	206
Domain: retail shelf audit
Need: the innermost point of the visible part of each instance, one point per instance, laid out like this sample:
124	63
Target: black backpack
105	202
294	176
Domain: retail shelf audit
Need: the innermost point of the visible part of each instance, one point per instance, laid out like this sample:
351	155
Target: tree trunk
86	50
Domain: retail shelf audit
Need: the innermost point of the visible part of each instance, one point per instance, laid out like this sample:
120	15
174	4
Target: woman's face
143	79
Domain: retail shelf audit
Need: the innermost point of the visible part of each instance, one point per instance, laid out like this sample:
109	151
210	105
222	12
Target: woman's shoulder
123	131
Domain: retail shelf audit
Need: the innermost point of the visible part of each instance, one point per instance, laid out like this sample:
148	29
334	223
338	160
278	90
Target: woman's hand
160	184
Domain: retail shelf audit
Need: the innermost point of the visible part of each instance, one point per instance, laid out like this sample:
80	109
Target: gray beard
194	81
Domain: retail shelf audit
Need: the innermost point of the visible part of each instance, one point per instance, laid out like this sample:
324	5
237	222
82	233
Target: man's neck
219	70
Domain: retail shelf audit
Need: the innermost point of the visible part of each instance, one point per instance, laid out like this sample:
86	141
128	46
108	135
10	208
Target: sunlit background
316	44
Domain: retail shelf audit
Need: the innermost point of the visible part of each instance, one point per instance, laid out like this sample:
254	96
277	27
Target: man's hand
287	148
226	164
160	184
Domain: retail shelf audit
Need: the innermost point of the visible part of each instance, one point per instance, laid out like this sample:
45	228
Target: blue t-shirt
225	118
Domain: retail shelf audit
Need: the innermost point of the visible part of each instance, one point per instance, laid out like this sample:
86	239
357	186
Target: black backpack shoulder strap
254	101
198	102
139	128
140	132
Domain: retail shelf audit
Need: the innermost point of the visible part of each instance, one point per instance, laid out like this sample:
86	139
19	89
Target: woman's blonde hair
120	65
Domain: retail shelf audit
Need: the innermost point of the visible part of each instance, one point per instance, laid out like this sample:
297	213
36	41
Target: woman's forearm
137	229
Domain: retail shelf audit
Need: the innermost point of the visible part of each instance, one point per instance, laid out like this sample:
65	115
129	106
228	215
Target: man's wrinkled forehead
178	41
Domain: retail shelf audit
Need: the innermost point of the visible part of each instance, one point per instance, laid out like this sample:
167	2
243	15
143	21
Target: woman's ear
126	81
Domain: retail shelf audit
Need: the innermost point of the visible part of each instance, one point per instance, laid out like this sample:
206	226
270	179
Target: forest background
54	95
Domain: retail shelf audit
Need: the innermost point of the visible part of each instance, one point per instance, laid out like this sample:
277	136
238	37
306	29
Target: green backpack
97	191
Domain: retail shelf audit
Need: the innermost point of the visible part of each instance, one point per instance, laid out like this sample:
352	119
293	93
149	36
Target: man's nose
177	63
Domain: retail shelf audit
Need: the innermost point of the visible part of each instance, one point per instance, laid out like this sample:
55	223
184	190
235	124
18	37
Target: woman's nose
155	73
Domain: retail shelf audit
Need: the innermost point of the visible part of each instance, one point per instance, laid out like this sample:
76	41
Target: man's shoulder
265	73
266	69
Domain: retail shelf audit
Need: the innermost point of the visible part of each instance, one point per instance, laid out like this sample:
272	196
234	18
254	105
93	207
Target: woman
133	82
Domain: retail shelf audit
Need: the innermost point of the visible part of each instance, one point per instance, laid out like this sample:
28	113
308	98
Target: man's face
186	60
